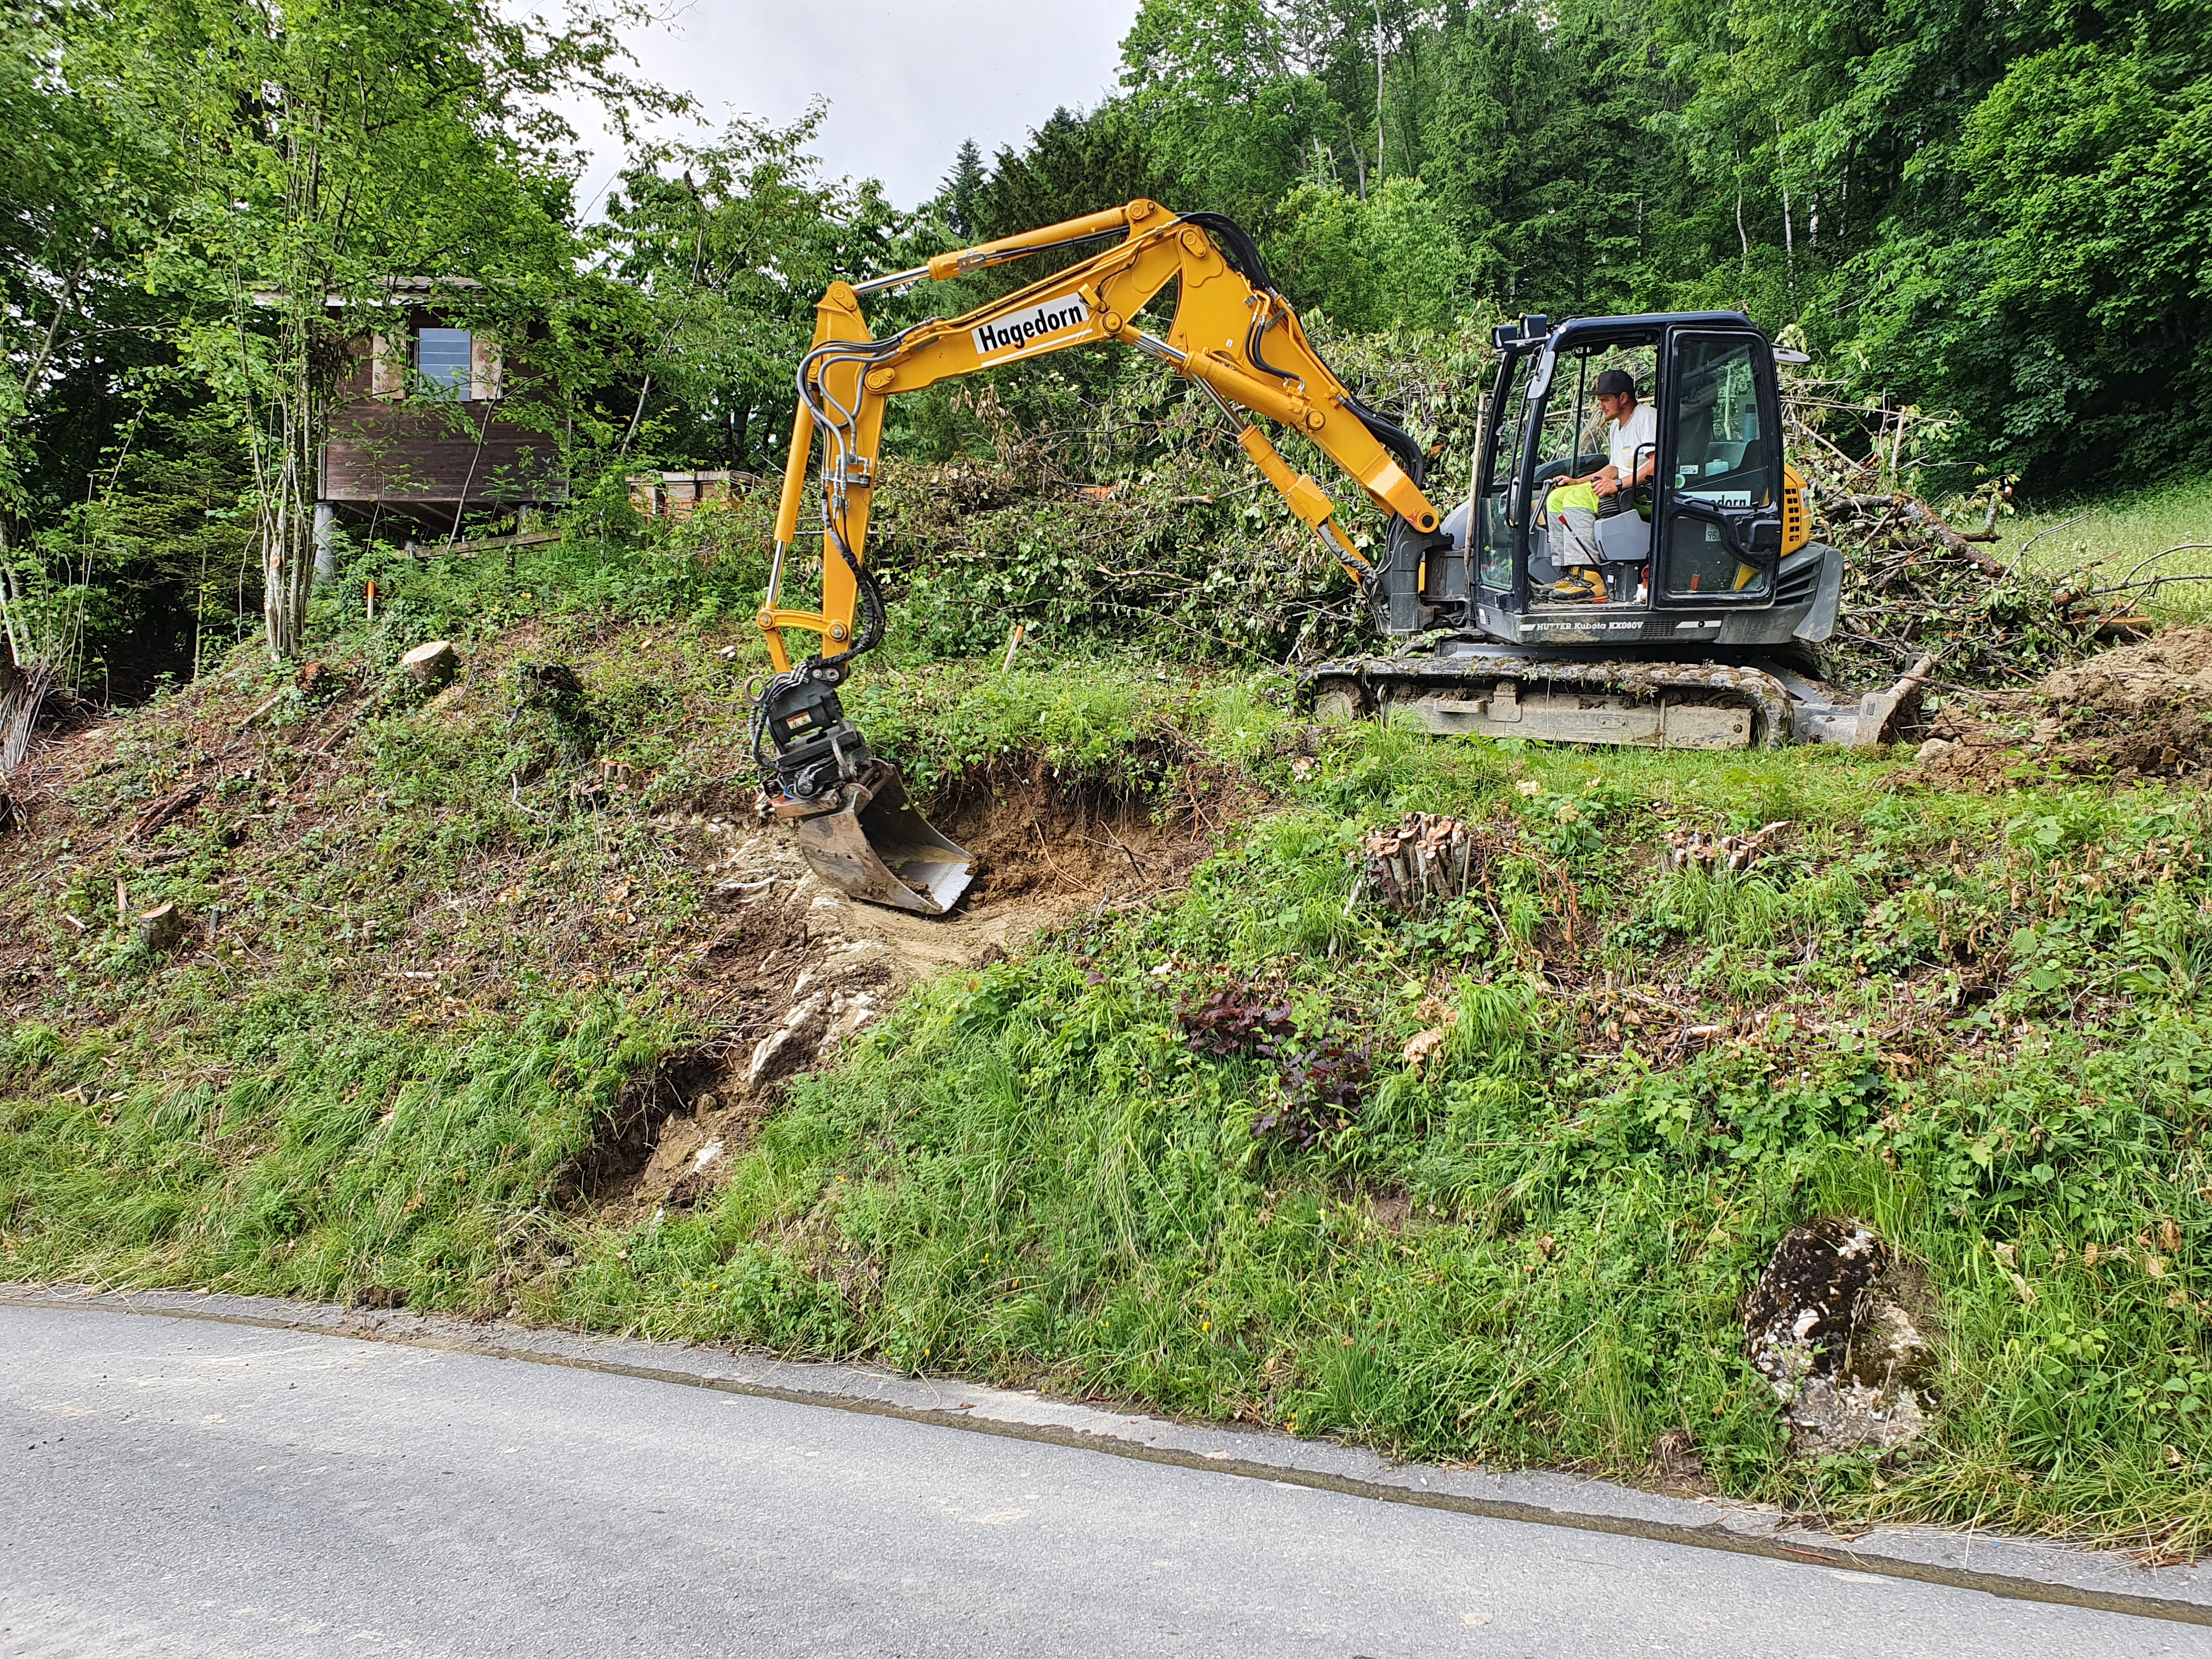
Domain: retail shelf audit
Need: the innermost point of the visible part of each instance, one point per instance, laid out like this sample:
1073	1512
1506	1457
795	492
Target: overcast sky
907	81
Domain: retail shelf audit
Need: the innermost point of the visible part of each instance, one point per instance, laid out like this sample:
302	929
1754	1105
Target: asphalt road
176	1487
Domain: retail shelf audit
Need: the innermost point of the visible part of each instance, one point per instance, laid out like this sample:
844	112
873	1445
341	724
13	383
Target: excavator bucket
873	844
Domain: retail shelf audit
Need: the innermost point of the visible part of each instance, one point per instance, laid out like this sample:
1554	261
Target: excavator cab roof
1532	332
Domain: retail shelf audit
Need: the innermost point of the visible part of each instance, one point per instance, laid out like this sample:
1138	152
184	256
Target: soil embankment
2136	712
575	810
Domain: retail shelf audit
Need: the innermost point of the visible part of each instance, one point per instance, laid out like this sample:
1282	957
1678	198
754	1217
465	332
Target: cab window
1507	422
1724	456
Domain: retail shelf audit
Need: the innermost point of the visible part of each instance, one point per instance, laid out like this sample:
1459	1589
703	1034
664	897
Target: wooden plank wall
383	449
401	453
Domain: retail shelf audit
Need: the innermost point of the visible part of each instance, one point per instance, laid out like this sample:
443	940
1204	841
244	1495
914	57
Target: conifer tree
963	189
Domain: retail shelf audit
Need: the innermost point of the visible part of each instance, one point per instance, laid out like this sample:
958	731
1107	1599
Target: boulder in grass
432	665
1846	1361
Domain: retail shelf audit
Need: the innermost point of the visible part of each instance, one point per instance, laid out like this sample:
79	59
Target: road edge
2015	1568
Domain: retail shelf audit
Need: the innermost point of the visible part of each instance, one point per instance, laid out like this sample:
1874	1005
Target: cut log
432	665
1881	711
1918	512
259	710
160	929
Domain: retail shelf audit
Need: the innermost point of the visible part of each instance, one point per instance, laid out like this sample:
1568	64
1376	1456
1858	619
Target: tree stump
432	665
160	929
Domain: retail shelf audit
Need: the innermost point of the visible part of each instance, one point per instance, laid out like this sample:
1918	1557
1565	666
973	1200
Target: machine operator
1575	505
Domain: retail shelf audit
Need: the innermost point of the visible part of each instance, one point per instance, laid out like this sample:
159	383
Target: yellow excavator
1697	640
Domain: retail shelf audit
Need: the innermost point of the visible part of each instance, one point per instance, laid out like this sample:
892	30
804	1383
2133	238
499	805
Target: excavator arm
1233	333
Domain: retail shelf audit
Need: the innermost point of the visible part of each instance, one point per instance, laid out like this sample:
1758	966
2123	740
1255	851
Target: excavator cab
1709	591
1706	549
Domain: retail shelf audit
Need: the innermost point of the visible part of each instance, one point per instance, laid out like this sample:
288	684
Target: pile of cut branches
1916	585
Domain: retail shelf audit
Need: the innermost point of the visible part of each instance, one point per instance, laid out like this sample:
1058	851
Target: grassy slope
1534	1252
2113	536
1981	1022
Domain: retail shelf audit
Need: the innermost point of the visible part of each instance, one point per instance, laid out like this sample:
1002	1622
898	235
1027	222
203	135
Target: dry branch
162	810
1840	503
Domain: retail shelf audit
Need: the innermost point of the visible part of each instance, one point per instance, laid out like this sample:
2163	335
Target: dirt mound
2140	712
2171	670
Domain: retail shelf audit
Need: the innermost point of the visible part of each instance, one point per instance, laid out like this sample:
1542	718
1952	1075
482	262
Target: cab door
1719	512
1497	532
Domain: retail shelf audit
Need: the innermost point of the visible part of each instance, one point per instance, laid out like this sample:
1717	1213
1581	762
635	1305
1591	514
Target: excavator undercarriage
1485	689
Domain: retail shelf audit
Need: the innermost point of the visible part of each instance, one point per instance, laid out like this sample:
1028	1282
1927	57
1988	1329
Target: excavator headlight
1535	328
1504	335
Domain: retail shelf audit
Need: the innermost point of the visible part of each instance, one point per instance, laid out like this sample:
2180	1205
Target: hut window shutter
483	368
387	365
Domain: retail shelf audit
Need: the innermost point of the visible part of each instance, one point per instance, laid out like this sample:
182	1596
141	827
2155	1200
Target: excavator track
1481	687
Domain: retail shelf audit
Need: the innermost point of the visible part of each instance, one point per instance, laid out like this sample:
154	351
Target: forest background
1988	211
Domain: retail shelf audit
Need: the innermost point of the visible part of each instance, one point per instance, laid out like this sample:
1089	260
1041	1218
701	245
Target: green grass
326	1155
1983	1022
2112	536
1119	721
1032	1175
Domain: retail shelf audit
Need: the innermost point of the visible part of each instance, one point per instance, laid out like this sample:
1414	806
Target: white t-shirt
1639	431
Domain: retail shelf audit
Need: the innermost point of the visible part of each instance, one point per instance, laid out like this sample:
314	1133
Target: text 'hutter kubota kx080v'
1621	571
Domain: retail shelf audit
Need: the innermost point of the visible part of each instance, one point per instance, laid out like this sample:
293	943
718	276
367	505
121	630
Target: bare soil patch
1066	850
800	969
183	754
2139	713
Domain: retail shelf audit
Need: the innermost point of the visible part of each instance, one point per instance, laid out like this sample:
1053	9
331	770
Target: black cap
1614	381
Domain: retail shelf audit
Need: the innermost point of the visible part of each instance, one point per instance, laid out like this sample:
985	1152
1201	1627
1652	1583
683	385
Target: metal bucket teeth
876	846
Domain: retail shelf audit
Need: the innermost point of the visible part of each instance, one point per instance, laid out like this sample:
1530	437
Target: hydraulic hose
805	781
820	404
1394	438
1237	247
873	620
